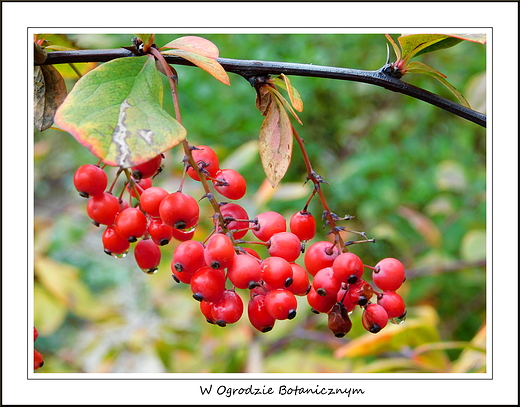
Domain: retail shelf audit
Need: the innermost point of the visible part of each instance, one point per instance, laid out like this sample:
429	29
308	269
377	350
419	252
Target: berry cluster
331	279
38	357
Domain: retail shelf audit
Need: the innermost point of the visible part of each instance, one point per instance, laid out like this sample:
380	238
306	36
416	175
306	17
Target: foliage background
413	175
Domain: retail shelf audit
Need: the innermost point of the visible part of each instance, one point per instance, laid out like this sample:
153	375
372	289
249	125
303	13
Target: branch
252	68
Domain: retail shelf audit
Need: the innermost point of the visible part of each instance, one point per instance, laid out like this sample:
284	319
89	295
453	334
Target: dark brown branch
252	68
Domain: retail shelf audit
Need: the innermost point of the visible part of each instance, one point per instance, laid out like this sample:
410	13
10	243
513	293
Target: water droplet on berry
188	230
116	255
153	270
398	320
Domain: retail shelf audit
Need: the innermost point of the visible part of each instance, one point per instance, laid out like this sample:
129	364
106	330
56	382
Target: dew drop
153	270
398	320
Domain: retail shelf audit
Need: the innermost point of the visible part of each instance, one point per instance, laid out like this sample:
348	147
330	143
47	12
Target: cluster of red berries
38	357
273	283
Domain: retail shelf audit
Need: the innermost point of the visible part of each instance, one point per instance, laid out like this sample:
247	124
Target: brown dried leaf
276	142
49	94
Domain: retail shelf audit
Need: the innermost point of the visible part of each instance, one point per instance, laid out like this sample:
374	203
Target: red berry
113	244
374	318
320	255
90	180
160	233
206	160
179	210
181	235
344	298
181	277
300	285
208	284
244	272
348	267
388	274
258	315
360	292
267	224
230	184
147	169
35	334
393	304
325	283
318	303
38	360
150	200
281	304
276	272
219	252
103	208
303	225
188	257
229	309
206	308
286	245
147	255
131	224
137	187
236	219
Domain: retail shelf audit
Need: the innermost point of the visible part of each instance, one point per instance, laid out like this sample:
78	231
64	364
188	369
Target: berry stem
317	180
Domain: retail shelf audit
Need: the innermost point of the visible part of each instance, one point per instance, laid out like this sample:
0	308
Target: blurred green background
413	175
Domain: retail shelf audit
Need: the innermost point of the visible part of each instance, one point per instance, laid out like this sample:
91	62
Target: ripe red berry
206	160
35	333
188	257
236	218
147	255
230	183
181	277
286	245
258	315
103	208
150	200
318	303
388	274
267	224
160	233
179	210
325	283
320	255
228	310
205	308
38	360
374	318
131	224
208	284
276	272
281	304
303	225
344	298
183	235
393	304
113	244
90	180
300	285
147	169
219	252
244	272
348	267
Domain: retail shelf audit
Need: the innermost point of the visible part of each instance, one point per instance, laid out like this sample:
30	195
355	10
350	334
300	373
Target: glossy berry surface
113	244
318	303
147	255
90	180
303	225
228	310
160	233
389	274
131	224
103	208
208	284
285	245
230	184
179	210
374	318
236	219
276	272
281	304
325	282
244	272
258	315
267	224
147	169
188	257
348	267
319	255
150	200
38	360
300	285
393	304
207	162
219	251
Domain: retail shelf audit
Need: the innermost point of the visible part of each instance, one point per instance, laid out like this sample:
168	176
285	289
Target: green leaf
480	38
276	142
419	67
412	44
210	65
116	112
